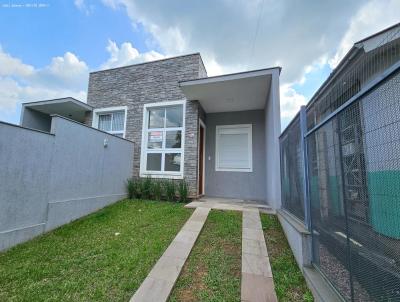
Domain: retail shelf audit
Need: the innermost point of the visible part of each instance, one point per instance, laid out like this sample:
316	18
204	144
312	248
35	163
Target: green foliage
133	188
130	183
183	191
146	188
170	191
157	190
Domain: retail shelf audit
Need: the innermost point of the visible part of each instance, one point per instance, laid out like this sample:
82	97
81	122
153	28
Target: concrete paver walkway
159	283
230	205
257	281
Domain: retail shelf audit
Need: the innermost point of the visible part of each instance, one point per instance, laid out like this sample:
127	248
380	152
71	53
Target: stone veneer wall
158	81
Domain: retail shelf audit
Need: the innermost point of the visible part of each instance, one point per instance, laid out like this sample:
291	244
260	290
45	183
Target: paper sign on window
155	136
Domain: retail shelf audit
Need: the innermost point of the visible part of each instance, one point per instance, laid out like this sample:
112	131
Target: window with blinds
234	148
110	121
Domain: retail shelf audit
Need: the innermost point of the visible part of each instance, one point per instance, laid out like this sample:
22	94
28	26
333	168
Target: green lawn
102	257
289	281
213	269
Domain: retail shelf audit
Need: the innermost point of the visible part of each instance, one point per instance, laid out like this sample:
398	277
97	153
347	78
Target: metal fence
363	65
354	170
292	167
352	176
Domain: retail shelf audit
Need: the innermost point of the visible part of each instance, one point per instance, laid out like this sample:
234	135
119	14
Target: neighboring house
220	134
344	217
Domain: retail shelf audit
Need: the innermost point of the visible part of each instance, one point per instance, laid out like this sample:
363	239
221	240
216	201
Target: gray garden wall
48	179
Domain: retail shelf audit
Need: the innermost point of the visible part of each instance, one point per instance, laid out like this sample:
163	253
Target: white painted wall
272	132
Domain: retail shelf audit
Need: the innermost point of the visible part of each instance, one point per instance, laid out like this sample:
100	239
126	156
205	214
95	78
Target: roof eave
58	101
231	76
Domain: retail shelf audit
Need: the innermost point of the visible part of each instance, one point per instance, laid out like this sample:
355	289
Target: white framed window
111	120
163	133
233	148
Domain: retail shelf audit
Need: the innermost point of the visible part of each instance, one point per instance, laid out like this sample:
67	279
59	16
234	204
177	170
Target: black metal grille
362	67
354	170
353	174
292	167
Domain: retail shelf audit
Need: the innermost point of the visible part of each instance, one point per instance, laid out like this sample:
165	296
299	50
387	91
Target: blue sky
62	27
48	52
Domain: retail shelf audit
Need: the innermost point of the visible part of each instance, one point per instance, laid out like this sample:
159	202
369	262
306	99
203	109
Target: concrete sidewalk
230	204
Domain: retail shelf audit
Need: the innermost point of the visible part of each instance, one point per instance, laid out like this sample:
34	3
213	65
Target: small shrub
169	187
133	188
157	190
130	188
146	188
183	191
137	189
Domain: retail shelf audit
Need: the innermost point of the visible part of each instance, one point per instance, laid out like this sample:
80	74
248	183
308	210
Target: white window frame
249	132
145	151
107	110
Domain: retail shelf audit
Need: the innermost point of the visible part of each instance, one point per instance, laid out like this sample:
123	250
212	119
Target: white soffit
234	92
67	107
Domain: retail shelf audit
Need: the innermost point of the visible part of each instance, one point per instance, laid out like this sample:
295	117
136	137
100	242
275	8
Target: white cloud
127	54
79	3
13	92
13	66
9	93
64	76
70	62
223	31
291	101
83	6
63	72
301	38
374	16
111	3
20	82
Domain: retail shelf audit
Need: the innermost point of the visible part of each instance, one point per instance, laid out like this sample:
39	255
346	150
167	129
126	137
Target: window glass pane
105	122
156	118
154	162
173	139
118	121
172	162
174	116
154	139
